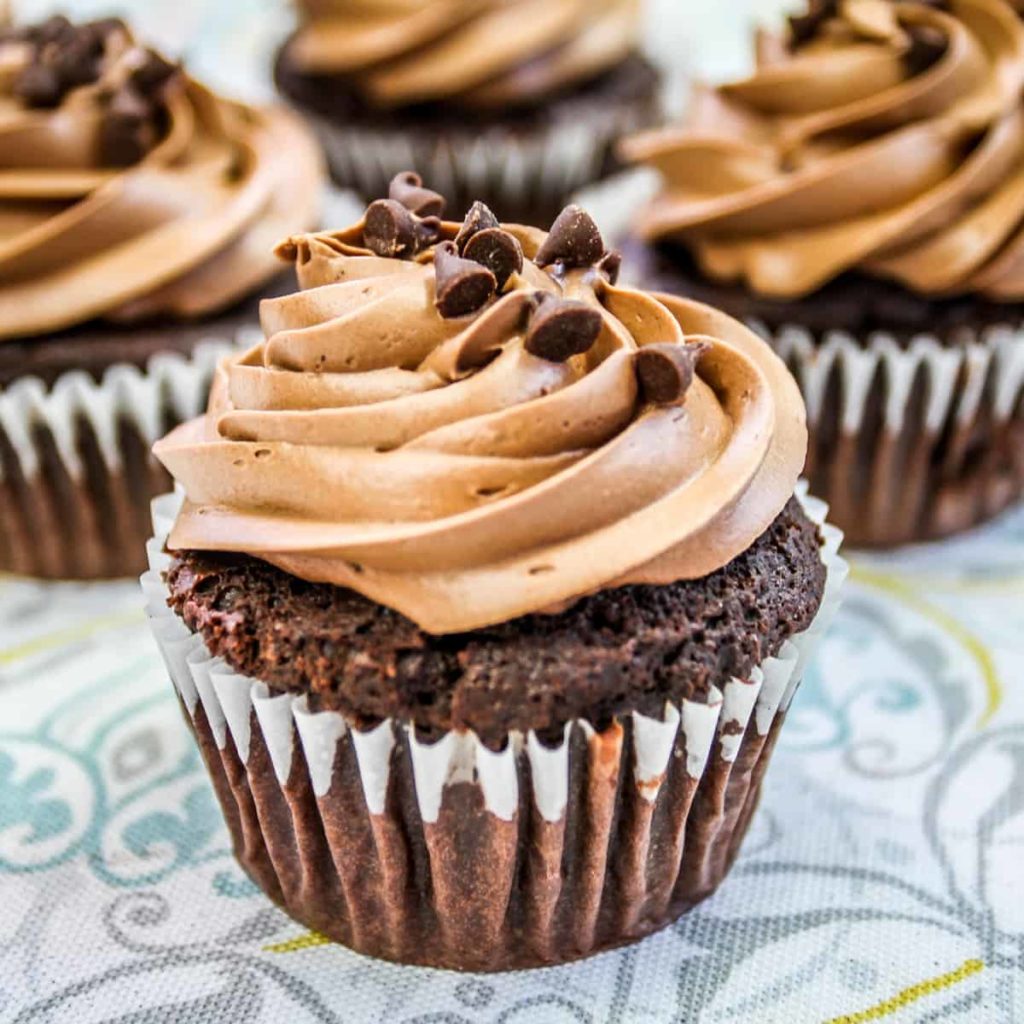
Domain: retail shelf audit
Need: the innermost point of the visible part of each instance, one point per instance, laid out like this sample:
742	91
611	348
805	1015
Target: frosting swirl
477	53
437	465
886	137
128	190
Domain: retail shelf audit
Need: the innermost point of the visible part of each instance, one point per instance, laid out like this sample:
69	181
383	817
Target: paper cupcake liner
451	855
527	177
76	473
910	442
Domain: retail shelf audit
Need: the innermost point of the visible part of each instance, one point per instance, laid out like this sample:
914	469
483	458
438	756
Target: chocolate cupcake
517	104
859	200
138	214
490	589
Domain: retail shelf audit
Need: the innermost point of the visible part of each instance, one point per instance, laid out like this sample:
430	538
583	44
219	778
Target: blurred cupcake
137	219
515	103
489	590
860	199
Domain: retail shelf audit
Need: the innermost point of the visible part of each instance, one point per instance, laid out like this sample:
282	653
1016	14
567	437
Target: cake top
129	190
477	53
469	421
874	135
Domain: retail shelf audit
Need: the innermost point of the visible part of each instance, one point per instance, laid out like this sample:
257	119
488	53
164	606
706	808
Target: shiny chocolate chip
561	328
574	240
407	189
462	286
127	131
38	85
390	229
479	218
498	251
153	73
665	371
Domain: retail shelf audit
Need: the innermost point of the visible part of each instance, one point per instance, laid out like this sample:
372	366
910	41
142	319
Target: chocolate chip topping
127	131
498	251
462	286
64	57
479	218
153	73
804	27
407	189
390	229
574	240
561	328
927	46
38	86
665	371
610	264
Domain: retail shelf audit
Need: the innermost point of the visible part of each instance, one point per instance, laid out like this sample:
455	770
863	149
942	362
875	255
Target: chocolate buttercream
884	137
436	466
128	190
476	53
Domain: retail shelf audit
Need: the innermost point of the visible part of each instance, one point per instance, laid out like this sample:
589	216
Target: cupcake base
453	853
524	164
915	407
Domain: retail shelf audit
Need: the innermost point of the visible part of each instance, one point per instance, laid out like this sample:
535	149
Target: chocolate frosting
477	53
435	465
885	137
128	190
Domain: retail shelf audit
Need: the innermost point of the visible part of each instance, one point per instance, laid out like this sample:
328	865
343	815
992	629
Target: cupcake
859	199
486	589
514	103
138	211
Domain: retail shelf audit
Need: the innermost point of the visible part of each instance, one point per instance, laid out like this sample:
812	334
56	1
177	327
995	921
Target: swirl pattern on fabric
128	190
890	141
438	467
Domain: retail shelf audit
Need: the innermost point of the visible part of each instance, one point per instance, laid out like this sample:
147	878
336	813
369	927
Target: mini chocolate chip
574	240
127	132
498	251
55	29
462	286
38	85
804	27
153	73
428	231
610	264
665	371
407	188
927	46
77	62
561	328
479	218
390	229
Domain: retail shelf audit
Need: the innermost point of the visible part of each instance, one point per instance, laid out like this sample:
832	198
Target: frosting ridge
882	136
477	53
127	189
438	465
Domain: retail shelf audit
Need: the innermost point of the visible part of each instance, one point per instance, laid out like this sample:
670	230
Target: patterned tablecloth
883	878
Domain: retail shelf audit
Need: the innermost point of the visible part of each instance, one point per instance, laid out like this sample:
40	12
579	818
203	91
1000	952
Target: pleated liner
451	855
76	473
910	442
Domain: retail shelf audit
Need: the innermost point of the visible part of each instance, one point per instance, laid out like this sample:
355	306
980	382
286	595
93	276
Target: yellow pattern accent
906	593
69	635
911	994
307	941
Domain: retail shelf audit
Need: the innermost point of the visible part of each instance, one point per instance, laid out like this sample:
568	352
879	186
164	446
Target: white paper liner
228	698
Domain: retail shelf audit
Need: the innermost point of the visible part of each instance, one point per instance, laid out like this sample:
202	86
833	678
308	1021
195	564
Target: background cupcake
138	214
517	104
859	199
489	589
